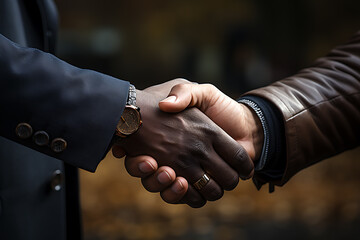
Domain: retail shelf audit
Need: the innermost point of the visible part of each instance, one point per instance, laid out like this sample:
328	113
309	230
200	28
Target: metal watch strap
132	96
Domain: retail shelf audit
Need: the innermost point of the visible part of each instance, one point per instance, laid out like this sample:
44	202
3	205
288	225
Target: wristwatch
130	120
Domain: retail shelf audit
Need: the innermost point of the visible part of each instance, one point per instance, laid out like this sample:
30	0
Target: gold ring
199	184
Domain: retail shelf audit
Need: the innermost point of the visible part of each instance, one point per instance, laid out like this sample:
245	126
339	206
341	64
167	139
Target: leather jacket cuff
271	165
265	149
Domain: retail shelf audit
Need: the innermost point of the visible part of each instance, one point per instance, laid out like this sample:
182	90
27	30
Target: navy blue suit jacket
80	106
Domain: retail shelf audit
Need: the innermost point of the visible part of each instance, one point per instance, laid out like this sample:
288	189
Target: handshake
194	143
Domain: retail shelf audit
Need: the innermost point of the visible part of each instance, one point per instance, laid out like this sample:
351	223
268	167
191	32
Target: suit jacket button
58	145
41	138
24	130
56	180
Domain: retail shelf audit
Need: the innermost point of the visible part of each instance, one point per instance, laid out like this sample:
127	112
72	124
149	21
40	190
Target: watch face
130	121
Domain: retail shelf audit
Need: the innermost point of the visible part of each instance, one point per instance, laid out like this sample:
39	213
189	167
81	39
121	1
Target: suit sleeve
80	106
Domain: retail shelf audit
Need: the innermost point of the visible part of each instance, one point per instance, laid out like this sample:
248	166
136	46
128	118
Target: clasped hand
190	130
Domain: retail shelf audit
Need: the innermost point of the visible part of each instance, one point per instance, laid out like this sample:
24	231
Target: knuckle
199	150
181	81
210	130
181	86
243	163
183	163
242	158
240	155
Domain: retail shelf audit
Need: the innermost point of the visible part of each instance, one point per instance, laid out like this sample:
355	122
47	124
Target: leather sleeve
78	105
320	106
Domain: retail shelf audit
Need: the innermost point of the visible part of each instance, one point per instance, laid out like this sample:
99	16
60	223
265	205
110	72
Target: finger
140	166
179	98
234	154
160	180
183	193
193	198
176	191
164	88
220	108
211	191
186	95
118	151
221	172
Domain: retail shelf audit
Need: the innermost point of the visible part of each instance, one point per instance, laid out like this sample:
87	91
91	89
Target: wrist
130	120
256	131
145	100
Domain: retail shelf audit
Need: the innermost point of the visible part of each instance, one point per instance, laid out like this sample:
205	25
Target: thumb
182	96
178	99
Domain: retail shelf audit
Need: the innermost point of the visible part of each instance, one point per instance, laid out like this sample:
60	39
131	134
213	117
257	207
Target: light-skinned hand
191	144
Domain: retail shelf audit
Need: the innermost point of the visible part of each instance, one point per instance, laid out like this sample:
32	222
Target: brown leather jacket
320	106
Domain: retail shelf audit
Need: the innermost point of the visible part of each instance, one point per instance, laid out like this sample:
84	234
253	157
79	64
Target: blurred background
236	45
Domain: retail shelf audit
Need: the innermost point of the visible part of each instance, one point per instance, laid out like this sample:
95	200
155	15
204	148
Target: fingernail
163	177
146	167
170	99
177	187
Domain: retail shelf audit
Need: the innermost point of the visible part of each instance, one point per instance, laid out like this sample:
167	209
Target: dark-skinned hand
187	142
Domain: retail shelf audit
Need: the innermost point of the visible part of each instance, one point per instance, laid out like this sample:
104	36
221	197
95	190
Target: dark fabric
30	208
73	210
320	107
49	20
275	161
81	106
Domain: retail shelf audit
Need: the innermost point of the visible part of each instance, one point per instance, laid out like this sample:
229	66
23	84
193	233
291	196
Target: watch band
132	96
